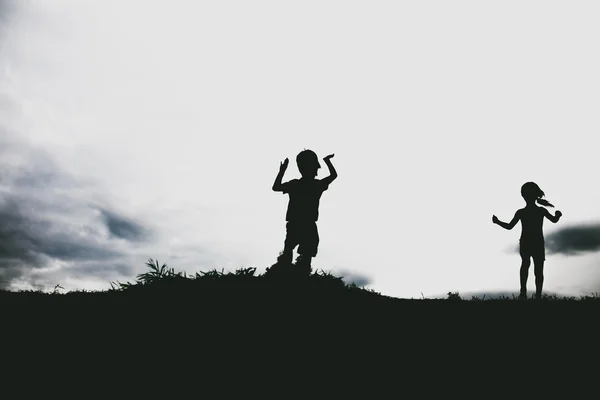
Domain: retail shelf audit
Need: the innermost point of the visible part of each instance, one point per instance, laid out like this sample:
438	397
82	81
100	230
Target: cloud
351	277
6	6
47	217
574	240
123	227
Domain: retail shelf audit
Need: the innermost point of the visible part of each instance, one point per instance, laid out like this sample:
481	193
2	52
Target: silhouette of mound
285	318
281	282
282	285
279	279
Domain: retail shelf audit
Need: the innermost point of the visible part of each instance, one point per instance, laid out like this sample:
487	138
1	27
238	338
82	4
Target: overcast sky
132	130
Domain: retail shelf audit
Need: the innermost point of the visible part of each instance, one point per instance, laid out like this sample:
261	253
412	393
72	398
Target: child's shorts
532	248
304	235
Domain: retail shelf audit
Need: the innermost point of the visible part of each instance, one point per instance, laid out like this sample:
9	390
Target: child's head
308	163
531	192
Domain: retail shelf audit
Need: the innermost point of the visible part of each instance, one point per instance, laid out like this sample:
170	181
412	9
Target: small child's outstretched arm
277	185
511	224
554	218
332	172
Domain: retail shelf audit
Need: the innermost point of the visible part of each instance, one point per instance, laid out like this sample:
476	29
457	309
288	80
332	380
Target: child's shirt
304	198
532	220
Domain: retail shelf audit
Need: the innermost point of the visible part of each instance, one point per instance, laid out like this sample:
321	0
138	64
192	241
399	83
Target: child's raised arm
277	185
554	218
511	224
332	172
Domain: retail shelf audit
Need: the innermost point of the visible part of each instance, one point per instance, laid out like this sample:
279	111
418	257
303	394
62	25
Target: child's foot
303	265
284	258
538	296
304	269
281	268
523	296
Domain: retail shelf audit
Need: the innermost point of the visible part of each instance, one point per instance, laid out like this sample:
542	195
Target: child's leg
525	264
291	240
308	244
538	269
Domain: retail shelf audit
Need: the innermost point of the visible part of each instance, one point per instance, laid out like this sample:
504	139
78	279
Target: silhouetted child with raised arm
532	237
303	207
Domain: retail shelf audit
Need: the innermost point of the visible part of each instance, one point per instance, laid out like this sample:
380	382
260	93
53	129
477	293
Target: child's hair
531	190
307	159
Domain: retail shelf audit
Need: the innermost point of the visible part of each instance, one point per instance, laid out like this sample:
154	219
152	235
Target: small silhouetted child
531	244
303	207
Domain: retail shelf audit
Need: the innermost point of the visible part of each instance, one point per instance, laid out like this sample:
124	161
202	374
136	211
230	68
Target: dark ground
282	329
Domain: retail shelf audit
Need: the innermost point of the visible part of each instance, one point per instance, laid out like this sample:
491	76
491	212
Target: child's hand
495	219
326	158
558	214
283	165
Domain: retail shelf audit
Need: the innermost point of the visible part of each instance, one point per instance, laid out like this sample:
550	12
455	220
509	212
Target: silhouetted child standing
532	237
303	206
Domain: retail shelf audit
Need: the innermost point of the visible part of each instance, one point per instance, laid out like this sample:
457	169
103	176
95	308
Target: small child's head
308	163
532	193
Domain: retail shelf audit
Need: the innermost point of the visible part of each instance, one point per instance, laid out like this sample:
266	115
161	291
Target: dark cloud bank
44	218
572	240
7	8
575	239
351	277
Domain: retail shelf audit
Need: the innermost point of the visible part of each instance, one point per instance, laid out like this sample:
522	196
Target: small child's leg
538	269
307	248
285	257
524	273
288	251
291	240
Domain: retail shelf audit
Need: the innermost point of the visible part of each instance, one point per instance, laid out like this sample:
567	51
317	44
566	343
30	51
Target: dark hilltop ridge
281	289
287	281
281	323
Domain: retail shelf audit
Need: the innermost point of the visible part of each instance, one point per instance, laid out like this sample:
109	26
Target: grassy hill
310	294
281	285
286	318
